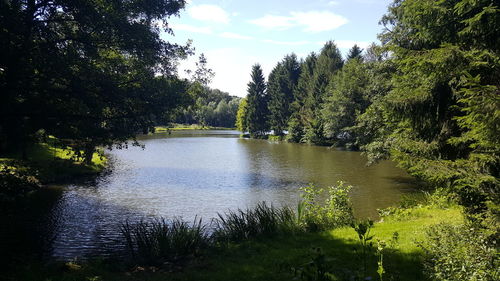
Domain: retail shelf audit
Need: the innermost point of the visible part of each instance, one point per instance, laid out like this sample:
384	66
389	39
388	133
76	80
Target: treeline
91	73
212	108
428	97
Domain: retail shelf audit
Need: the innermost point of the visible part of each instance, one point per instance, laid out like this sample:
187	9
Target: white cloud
287	43
333	3
232	68
209	13
319	21
274	22
312	21
232	35
191	28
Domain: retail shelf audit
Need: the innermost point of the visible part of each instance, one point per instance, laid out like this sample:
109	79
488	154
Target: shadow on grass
262	259
274	259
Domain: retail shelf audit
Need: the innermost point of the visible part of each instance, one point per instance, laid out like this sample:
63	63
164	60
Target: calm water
204	172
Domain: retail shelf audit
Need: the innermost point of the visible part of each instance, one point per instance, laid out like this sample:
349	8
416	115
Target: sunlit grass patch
51	162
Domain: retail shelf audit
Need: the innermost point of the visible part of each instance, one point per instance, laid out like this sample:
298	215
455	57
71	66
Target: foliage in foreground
159	240
318	213
461	252
261	221
271	258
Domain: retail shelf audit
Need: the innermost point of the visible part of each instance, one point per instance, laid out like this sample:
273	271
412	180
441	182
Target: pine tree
328	63
355	52
257	99
281	85
445	94
347	99
296	124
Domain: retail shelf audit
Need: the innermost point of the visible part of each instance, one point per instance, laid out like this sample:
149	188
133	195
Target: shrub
159	240
320	213
16	181
460	253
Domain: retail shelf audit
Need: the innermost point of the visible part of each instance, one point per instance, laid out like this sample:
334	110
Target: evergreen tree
257	99
296	124
445	94
347	98
355	52
281	85
328	63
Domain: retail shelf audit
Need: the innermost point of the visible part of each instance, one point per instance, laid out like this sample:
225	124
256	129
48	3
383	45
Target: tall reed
159	240
263	220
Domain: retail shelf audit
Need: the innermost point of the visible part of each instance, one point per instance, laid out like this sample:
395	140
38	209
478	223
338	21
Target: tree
281	85
72	67
445	94
212	107
328	63
296	124
241	116
347	99
257	100
355	52
203	74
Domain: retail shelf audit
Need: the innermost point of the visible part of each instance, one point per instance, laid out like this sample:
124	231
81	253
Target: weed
363	229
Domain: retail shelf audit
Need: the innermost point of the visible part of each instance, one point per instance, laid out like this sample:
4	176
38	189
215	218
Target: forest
428	97
83	79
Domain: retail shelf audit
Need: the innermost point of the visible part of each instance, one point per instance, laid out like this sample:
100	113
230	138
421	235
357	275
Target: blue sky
234	35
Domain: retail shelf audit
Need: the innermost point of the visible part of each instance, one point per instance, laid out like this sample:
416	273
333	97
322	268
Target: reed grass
159	240
263	220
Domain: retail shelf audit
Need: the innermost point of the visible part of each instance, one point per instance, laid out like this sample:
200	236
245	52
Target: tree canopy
95	72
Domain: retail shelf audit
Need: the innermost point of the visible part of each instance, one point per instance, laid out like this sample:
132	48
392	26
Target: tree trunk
88	153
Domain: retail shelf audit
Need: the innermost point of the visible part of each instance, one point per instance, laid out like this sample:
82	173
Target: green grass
54	164
273	258
183	127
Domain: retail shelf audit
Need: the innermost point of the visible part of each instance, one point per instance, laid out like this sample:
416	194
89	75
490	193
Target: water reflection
201	173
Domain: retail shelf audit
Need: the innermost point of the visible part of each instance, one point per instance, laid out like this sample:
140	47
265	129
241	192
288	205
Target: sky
236	34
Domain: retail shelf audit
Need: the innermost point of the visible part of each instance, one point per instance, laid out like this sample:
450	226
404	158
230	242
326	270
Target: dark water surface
192	173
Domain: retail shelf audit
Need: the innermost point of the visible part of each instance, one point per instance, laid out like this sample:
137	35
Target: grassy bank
183	127
51	163
281	257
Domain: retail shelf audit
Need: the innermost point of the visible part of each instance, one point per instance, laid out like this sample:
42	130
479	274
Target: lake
200	173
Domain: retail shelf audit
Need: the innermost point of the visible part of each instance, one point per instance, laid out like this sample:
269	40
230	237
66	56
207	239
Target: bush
16	181
318	213
158	241
460	253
